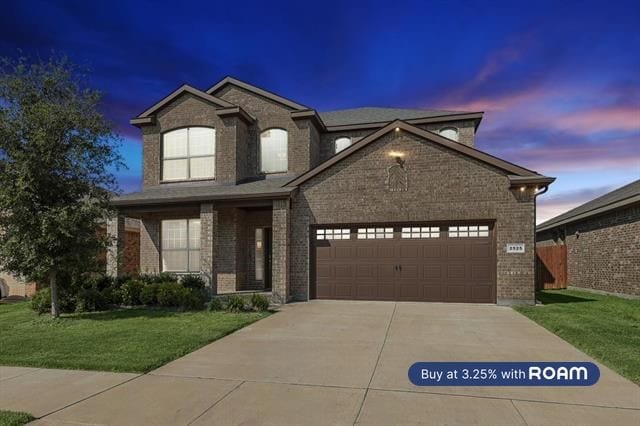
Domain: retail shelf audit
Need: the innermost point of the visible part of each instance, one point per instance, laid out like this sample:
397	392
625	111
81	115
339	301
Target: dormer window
189	154
273	151
449	133
342	143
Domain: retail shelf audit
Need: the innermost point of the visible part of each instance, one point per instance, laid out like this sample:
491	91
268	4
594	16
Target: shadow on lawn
550	298
128	313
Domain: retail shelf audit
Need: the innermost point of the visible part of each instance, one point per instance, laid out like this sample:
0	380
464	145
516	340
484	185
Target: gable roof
258	91
621	197
513	170
144	116
363	115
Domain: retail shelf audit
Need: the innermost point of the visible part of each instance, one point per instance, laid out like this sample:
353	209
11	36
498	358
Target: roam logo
504	373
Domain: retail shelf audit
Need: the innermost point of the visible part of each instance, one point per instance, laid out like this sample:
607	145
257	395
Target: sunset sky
559	81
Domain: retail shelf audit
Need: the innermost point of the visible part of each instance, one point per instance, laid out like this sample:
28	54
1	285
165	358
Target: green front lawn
128	340
604	327
13	418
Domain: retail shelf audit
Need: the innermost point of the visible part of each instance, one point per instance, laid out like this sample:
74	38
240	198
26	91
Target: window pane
174	169
194	233
450	132
194	260
342	143
259	254
201	141
175	144
202	167
273	151
174	260
174	234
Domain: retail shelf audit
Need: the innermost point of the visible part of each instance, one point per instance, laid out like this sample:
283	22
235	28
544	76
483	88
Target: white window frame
455	129
189	248
469	231
333	234
286	152
384	233
420	232
188	157
335	143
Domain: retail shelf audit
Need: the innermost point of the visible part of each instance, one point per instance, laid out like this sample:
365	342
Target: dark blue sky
559	81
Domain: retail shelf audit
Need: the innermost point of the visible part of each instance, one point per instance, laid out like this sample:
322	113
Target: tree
56	150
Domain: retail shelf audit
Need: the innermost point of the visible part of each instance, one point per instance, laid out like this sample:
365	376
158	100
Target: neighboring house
11	286
257	192
602	239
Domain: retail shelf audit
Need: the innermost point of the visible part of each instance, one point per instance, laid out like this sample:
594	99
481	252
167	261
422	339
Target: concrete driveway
346	363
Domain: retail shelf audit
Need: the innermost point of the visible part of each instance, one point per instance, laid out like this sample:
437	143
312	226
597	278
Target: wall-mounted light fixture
522	188
397	129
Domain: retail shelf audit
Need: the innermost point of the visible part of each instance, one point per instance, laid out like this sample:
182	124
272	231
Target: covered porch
237	243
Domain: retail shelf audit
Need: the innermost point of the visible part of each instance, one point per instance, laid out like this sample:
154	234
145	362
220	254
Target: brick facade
443	186
603	252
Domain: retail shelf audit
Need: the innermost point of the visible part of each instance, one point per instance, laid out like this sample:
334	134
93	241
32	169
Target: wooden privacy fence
551	267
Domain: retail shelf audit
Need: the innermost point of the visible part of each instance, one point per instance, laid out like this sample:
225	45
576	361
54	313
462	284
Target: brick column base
280	251
208	233
115	251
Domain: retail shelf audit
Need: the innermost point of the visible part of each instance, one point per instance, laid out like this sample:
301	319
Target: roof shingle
624	195
377	115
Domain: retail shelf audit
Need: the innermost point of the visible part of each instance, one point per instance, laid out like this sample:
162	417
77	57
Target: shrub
130	292
193	299
149	295
163	277
170	294
103	282
41	301
236	303
193	281
89	300
259	302
216	304
112	296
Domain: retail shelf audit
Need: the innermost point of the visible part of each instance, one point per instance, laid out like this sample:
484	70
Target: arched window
273	151
450	133
342	143
189	153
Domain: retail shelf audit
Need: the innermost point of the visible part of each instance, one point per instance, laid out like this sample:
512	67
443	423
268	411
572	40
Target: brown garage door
427	262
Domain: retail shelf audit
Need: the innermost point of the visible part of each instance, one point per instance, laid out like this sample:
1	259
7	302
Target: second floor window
450	132
342	143
189	153
273	151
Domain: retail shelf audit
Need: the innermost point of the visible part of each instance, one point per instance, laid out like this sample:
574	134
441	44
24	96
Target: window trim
188	157
335	143
260	170
188	249
457	139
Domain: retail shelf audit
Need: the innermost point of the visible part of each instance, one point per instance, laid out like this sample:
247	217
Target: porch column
280	251
115	250
208	233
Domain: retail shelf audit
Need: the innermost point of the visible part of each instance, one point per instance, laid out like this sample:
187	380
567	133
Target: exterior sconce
522	188
397	129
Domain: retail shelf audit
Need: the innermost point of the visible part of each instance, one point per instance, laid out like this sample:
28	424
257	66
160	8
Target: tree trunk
55	304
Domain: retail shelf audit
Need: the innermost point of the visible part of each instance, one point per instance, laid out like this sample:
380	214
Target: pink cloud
600	119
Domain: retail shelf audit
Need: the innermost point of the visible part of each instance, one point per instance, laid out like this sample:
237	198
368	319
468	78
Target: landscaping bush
216	304
236	303
193	281
130	292
89	300
149	295
193	299
170	294
41	301
259	302
160	278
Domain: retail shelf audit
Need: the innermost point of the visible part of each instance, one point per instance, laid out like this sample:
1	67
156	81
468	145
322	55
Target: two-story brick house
257	192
